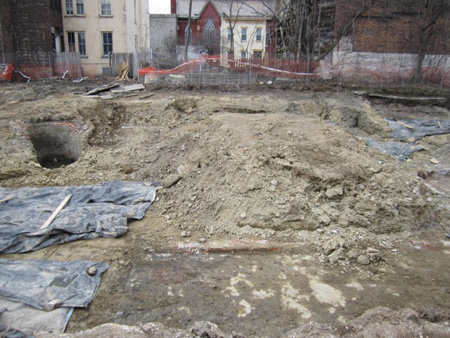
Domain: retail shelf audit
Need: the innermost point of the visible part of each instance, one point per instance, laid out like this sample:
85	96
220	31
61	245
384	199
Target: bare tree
303	26
187	36
233	8
432	19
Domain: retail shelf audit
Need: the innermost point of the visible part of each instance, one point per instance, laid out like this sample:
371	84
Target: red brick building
395	26
392	41
205	27
242	28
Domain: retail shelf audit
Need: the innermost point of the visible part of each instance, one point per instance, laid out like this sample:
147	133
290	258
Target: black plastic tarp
39	295
93	211
416	129
400	151
40	282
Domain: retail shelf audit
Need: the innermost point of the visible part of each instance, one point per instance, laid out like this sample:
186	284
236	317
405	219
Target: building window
257	54
258	35
243	54
267	37
106	7
210	33
107	43
244	34
55	4
229	34
71	41
80	7
69	7
82	43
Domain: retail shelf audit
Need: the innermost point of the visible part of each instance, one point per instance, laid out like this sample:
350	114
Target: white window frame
107	43
69	7
258	34
259	52
244	36
106	8
72	43
80	7
82	43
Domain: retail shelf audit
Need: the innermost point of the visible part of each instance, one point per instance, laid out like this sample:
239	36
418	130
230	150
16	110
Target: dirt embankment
287	167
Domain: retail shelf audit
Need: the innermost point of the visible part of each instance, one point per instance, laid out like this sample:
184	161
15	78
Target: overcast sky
159	6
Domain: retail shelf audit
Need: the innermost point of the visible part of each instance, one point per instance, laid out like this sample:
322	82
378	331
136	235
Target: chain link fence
386	69
44	64
359	69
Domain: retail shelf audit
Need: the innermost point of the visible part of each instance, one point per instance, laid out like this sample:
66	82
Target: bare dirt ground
275	218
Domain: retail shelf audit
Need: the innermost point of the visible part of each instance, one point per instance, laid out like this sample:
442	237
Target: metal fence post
110	63
250	70
381	70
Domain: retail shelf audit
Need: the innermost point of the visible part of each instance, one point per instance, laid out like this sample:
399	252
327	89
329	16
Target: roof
242	8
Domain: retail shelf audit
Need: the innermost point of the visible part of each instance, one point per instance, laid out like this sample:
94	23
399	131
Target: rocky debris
92	271
378	322
346	249
197	330
54	304
185	234
232	173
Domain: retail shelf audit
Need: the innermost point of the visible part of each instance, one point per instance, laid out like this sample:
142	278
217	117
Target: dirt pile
257	165
286	171
255	171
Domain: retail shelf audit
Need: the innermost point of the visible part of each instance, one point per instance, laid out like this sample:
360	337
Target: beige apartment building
98	28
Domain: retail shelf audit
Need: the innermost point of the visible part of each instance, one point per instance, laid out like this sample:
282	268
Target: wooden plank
6	199
102	89
405	125
56	212
129	88
407	98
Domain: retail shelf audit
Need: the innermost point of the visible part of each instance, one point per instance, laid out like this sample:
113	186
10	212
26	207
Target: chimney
173	6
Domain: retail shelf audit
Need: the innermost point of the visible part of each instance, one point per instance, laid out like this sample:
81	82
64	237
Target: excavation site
268	210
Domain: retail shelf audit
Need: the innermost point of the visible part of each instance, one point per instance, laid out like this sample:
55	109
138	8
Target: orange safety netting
268	67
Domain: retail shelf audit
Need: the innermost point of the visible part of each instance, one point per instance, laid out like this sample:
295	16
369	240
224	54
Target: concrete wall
381	68
163	32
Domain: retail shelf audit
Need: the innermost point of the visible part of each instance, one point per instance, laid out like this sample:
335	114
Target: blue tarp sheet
100	210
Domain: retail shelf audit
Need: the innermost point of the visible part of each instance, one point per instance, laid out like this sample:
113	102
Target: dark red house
205	26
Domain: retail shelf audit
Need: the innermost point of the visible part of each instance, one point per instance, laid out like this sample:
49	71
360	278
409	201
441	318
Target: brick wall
391	26
6	34
32	21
